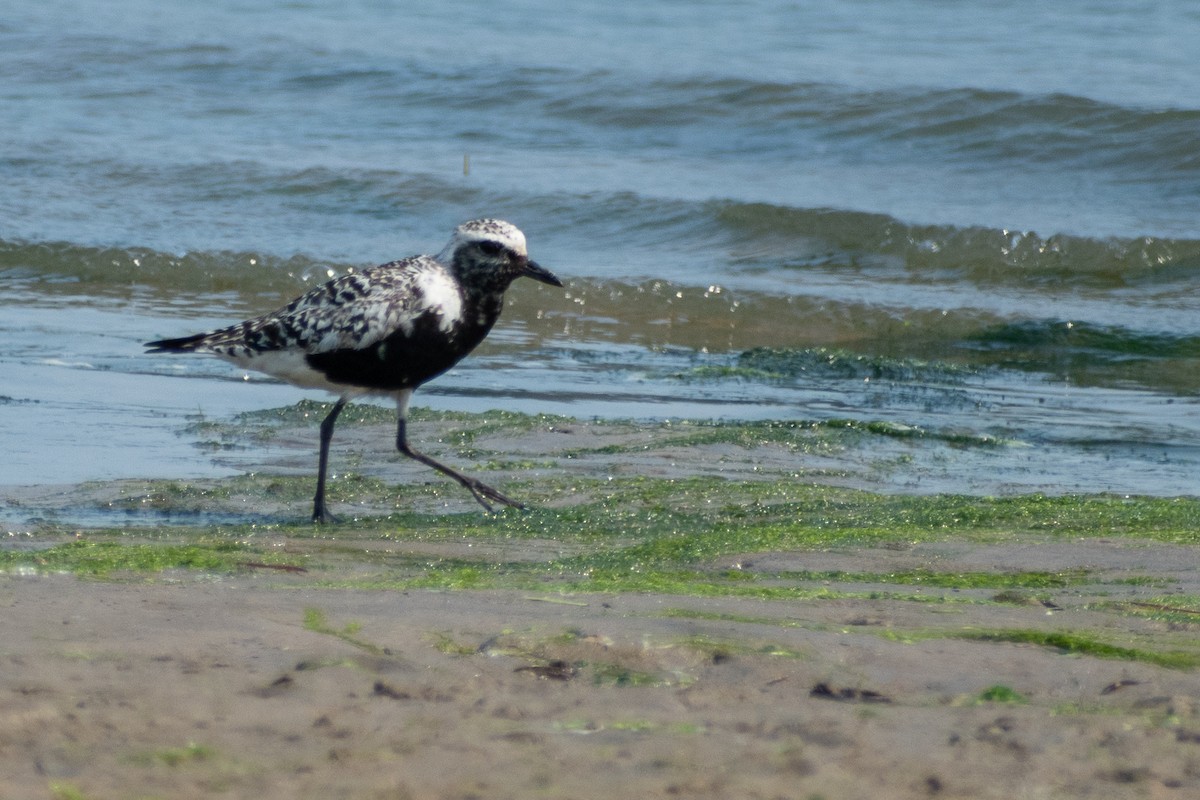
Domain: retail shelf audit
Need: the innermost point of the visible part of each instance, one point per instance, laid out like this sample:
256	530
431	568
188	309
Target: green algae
61	790
106	558
778	363
1001	694
190	753
1176	609
630	528
684	535
1076	643
316	621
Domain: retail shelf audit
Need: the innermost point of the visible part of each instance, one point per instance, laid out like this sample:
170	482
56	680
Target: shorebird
383	331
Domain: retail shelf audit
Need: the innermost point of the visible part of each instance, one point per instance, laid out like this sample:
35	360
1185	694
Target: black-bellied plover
383	331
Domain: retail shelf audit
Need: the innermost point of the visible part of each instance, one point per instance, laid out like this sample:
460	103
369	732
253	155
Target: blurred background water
968	218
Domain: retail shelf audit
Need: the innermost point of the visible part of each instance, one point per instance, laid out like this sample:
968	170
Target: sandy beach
216	688
338	664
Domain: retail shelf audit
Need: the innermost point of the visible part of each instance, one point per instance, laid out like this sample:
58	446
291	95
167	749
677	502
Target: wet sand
201	688
267	683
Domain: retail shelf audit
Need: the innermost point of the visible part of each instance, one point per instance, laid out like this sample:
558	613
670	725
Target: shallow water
1010	193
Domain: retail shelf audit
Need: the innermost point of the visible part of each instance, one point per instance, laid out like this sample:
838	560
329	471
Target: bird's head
490	254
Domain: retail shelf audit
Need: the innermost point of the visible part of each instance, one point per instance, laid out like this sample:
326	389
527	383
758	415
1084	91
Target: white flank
290	366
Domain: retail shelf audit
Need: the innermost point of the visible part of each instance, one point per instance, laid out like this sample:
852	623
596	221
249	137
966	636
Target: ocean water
965	218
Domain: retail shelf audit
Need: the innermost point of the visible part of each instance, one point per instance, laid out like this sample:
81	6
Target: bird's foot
481	491
321	515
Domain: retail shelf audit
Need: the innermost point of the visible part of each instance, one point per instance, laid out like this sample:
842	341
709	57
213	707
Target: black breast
407	358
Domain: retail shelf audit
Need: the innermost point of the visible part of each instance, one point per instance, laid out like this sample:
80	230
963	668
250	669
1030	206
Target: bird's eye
491	248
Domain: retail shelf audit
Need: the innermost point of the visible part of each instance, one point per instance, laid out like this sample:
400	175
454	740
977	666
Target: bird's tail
184	344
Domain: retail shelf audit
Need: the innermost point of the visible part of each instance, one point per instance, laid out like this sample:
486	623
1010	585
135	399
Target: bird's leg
477	488
320	513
